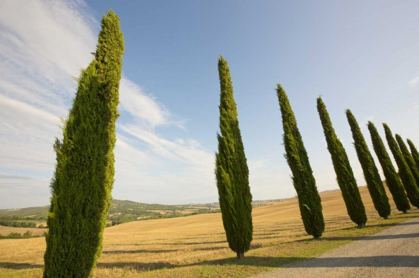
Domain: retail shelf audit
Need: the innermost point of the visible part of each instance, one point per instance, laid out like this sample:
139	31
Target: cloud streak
414	81
43	46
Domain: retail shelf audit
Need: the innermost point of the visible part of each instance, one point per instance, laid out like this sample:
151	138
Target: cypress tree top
303	179
231	171
372	177
414	151
406	175
81	189
392	179
344	174
408	158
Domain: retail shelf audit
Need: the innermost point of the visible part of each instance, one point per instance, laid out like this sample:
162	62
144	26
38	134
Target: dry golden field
195	246
4	230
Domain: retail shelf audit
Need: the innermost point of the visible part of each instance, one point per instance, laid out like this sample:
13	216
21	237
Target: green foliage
392	178
27	234
414	152
406	175
371	174
84	172
344	174
408	158
17	224
303	179
231	170
15	235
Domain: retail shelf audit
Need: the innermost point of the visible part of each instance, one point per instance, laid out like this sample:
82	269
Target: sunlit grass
195	246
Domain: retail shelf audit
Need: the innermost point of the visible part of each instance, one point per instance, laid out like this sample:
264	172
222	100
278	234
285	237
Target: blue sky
361	55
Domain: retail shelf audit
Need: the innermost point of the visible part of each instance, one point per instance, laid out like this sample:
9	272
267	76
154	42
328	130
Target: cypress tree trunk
303	179
371	174
344	174
406	175
392	179
231	170
81	189
408	158
415	153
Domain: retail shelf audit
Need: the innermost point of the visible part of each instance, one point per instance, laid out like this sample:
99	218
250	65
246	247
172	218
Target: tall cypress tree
303	179
406	175
371	174
408	158
392	179
344	174
231	170
84	176
414	151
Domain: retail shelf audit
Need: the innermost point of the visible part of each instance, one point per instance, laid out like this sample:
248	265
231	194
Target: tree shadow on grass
137	265
138	251
183	243
20	265
131	265
210	248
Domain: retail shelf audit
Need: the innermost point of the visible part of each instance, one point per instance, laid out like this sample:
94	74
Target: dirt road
390	253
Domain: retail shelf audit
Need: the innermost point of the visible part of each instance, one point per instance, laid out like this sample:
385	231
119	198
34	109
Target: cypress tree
231	170
303	179
406	175
344	174
84	175
372	176
408	158
392	179
414	151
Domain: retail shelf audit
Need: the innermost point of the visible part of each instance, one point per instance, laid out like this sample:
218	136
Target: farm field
195	246
5	230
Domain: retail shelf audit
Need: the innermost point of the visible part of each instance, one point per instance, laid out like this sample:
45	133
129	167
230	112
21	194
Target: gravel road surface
391	253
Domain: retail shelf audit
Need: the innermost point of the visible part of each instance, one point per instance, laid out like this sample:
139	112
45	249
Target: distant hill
37	213
121	211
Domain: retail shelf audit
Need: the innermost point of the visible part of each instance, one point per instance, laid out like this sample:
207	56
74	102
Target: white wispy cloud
51	40
414	81
143	107
26	136
43	46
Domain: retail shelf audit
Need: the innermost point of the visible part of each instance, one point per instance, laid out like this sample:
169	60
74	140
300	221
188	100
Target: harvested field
196	246
5	230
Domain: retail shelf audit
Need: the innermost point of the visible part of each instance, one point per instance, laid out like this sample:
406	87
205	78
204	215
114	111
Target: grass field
195	246
5	230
